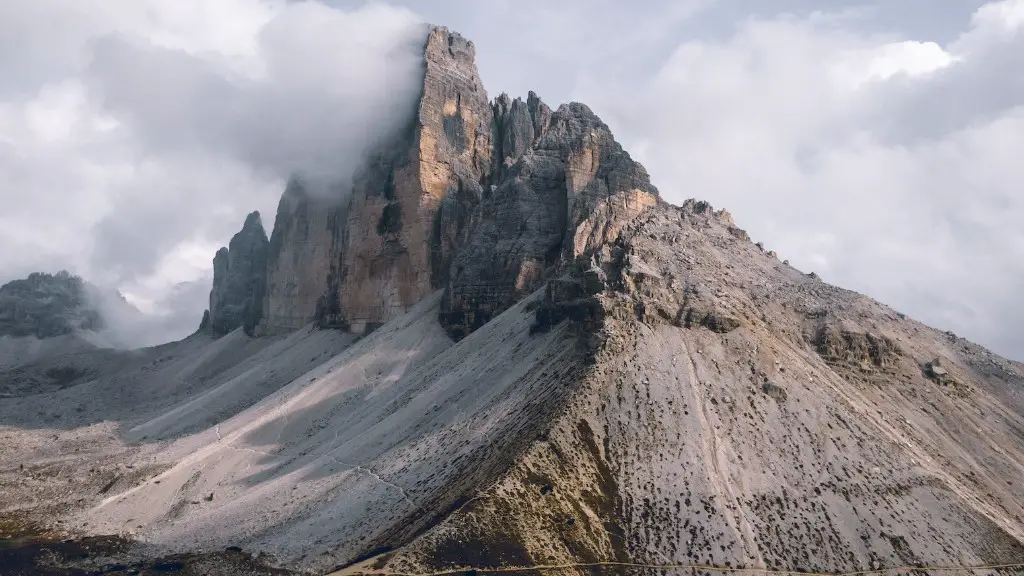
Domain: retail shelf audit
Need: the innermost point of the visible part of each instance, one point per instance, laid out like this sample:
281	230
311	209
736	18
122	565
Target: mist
321	87
126	327
148	129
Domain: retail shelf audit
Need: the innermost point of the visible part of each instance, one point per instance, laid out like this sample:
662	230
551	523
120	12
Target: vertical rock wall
303	247
564	188
410	206
409	210
239	280
484	199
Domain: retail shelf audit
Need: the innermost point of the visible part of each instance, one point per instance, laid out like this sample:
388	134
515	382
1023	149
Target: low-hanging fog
135	136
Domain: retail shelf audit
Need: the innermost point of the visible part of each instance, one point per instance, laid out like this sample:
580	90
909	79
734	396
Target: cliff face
411	207
563	188
483	199
239	280
361	263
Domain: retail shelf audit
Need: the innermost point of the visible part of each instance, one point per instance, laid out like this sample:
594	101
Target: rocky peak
47	305
484	199
517	125
239	280
391	243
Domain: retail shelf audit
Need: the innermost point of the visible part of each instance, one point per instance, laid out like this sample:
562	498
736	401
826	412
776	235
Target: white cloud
879	63
1002	18
136	134
889	165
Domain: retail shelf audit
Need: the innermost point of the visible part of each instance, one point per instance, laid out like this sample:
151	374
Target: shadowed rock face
239	280
563	187
46	305
360	262
302	249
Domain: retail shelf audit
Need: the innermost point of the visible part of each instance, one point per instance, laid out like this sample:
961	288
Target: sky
876	143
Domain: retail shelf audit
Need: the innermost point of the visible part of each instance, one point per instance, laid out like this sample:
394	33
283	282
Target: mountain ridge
507	350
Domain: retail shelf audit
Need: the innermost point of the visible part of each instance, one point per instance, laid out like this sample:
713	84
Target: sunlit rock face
362	254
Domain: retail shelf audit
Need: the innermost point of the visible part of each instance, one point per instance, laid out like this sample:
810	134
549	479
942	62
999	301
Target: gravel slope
705	404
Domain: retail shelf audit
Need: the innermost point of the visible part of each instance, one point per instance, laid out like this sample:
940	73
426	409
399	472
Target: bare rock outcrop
564	188
361	261
484	199
412	207
47	305
301	252
239	280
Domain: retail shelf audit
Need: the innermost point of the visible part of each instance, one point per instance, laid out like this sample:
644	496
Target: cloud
322	86
888	164
136	135
866	143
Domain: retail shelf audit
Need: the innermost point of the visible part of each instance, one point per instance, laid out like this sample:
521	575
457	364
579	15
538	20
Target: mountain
47	305
499	347
477	198
57	330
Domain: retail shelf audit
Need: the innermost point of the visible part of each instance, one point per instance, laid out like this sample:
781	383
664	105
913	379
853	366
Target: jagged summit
239	280
529	359
481	198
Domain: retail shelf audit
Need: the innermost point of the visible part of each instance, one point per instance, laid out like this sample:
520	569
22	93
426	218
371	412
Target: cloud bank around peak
135	135
320	88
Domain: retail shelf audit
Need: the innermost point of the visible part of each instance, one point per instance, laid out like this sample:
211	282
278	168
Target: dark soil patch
29	551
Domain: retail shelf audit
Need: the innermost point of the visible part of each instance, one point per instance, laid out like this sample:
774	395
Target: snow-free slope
362	452
68	443
741	413
685	398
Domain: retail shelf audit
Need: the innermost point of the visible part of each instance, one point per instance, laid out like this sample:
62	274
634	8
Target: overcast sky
877	143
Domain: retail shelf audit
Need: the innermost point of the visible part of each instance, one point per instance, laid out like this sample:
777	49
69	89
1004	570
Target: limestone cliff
301	251
483	199
361	262
563	188
411	207
239	280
